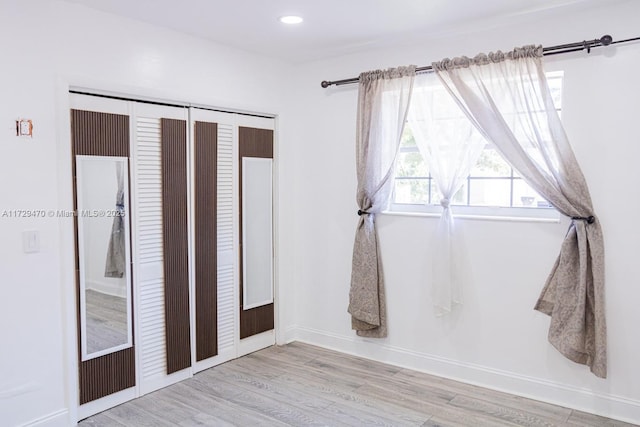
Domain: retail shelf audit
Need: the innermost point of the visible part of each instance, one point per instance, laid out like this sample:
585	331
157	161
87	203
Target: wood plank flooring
106	321
303	385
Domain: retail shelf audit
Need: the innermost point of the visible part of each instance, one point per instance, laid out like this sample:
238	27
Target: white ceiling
331	27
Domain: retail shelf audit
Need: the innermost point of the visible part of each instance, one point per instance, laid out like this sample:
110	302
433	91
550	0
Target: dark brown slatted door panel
107	374
253	143
100	134
175	243
206	265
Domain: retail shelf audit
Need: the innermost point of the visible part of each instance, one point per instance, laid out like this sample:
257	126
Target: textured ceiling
331	27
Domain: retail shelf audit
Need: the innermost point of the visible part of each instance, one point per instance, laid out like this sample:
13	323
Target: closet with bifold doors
174	243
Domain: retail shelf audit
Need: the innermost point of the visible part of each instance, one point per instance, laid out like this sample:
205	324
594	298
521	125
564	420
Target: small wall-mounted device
30	241
24	127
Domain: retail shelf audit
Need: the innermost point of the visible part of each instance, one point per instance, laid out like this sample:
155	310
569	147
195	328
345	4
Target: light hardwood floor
303	385
106	321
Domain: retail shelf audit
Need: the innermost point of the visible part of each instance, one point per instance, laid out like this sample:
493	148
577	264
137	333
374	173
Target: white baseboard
113	287
59	418
610	406
290	334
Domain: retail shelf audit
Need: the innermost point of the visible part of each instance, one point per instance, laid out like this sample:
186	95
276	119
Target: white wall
496	339
46	46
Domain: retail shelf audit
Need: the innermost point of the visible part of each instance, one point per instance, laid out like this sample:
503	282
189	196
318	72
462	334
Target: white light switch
30	241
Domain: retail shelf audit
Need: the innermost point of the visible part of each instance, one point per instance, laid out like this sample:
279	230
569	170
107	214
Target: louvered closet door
160	153
215	231
223	129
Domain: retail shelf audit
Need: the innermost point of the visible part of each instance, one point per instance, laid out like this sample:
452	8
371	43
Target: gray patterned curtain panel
383	102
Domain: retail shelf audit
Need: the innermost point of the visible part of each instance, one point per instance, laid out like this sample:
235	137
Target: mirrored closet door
104	256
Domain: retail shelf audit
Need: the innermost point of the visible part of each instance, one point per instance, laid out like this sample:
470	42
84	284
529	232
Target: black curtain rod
587	45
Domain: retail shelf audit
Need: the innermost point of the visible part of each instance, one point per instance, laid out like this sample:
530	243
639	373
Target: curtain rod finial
606	40
325	84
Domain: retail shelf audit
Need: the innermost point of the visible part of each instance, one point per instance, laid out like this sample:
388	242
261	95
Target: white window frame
493	213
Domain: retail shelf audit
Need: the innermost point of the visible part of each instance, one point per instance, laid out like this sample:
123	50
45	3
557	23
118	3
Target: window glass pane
555	87
407	140
460	198
411	191
491	163
411	164
490	192
525	196
492	182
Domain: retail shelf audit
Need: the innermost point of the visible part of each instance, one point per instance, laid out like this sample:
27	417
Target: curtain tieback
444	203
589	219
361	212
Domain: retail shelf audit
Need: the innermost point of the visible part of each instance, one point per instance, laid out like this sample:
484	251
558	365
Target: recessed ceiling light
291	19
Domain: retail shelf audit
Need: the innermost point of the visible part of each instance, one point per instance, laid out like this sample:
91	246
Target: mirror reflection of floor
106	321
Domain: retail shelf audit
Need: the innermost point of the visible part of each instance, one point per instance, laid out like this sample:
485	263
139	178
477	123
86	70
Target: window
492	188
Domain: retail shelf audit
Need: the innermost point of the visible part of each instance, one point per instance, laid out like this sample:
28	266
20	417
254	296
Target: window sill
549	219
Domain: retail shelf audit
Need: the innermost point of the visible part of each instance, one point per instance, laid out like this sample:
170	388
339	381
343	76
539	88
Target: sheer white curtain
383	100
450	145
507	97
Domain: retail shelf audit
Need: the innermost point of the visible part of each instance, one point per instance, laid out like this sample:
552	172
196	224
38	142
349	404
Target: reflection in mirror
103	253
257	244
